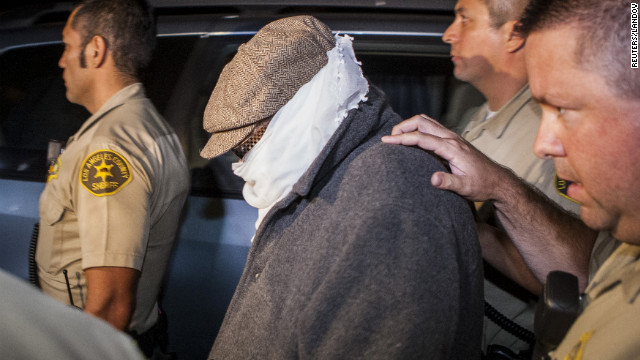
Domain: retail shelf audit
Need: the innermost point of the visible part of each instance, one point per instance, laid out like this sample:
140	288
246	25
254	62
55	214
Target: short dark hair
127	26
605	36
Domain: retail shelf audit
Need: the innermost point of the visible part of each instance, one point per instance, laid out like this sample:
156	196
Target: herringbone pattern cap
262	77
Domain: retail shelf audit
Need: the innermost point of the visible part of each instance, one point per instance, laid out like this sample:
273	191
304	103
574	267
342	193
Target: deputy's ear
96	51
514	41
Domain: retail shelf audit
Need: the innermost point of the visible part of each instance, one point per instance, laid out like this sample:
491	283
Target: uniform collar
127	93
622	268
498	123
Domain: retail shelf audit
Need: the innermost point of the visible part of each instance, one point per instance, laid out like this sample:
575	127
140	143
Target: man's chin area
628	231
625	229
458	72
72	100
596	218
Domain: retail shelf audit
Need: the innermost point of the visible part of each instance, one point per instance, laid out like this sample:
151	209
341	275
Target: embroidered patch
54	169
562	186
105	172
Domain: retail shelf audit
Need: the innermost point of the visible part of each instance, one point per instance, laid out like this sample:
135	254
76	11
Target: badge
54	169
105	172
577	351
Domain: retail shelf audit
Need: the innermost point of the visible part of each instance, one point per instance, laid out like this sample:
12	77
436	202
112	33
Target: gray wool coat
364	259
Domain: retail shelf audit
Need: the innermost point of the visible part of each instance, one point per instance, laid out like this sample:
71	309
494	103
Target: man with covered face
338	262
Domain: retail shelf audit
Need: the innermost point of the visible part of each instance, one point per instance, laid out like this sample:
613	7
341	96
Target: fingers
473	174
437	179
415	138
409	125
421	123
410	131
446	148
445	181
459	184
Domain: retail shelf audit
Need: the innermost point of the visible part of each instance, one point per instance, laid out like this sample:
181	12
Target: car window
33	109
179	81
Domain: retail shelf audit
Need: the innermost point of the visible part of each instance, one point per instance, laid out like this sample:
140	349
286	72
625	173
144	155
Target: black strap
33	266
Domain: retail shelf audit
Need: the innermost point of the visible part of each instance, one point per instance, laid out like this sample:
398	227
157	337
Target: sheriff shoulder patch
105	172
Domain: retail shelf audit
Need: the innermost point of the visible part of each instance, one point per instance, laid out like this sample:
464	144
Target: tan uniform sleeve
113	200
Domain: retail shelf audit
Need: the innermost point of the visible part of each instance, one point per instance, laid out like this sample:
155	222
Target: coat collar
359	127
355	129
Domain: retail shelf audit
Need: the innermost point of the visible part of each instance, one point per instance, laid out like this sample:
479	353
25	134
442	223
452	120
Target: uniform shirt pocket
51	212
55	240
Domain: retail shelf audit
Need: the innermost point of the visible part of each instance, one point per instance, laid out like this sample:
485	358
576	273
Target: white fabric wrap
301	128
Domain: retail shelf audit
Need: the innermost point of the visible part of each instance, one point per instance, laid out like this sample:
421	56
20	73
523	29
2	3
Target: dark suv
398	42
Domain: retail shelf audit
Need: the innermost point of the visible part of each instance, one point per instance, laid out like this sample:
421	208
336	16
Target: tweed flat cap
262	77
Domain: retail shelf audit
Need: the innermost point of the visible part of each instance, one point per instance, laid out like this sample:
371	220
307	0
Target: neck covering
299	131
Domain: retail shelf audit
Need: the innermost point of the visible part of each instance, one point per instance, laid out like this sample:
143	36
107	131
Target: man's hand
546	237
473	175
112	294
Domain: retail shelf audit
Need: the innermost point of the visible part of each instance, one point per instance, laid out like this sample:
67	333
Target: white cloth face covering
299	131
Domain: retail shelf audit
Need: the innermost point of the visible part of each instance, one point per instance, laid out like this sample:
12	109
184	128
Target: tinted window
33	109
179	81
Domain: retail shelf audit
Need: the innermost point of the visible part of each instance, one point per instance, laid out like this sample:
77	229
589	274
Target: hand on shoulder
473	175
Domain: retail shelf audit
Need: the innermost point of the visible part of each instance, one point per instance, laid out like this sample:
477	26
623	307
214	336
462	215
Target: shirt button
257	276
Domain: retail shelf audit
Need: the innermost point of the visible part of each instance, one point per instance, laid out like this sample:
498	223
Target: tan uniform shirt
114	199
609	327
507	137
